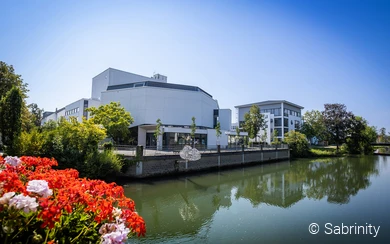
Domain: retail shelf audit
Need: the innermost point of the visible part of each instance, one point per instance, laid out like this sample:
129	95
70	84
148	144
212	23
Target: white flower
40	187
118	235
116	213
14	161
6	197
24	202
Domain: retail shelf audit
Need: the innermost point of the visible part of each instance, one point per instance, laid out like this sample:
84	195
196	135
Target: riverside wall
150	166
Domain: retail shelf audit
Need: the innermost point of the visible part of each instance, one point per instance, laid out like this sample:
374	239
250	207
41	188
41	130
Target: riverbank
165	165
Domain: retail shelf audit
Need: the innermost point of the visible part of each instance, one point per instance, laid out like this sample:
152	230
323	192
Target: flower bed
41	205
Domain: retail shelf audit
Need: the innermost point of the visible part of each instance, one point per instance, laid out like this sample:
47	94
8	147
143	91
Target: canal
345	200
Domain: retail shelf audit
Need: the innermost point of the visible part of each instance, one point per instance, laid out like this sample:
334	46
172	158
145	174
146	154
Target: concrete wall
173	164
225	119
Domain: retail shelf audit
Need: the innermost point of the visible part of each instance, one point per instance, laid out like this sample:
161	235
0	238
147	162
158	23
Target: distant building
76	109
280	115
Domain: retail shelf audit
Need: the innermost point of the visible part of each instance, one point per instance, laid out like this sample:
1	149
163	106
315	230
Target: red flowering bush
41	205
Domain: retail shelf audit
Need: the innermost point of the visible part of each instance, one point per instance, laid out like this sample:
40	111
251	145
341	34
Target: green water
273	203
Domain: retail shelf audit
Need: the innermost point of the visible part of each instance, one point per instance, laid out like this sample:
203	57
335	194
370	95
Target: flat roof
157	84
269	102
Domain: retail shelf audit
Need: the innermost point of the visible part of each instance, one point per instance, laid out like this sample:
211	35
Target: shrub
297	143
99	165
44	205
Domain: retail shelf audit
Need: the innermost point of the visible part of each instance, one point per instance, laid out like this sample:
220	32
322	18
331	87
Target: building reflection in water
183	206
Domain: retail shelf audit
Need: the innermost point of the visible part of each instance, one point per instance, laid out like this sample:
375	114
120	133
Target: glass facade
175	138
278	122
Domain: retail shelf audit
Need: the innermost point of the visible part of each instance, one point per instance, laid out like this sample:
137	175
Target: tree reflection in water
186	206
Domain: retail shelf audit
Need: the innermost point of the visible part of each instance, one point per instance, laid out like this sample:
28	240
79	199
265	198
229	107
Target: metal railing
128	150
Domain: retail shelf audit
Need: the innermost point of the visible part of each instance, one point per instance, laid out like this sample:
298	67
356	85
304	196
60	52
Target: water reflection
182	207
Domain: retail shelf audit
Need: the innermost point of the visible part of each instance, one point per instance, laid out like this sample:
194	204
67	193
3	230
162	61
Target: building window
285	130
278	122
285	122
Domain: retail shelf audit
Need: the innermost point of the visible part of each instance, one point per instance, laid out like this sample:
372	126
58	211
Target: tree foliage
114	118
360	136
313	125
193	128
275	139
158	132
337	122
253	121
218	130
8	80
297	143
382	135
11	119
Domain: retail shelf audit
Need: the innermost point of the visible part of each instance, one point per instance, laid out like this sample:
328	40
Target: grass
323	151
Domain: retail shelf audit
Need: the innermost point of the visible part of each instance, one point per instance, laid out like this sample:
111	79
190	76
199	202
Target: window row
274	111
72	111
291	112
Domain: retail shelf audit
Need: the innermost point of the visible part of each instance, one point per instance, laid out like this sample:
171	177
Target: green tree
8	80
193	130
218	131
297	143
158	133
275	139
237	135
337	122
382	135
253	121
11	119
114	118
360	136
31	117
313	125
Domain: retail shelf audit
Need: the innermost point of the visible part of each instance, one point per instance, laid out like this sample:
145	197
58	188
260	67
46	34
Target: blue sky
306	52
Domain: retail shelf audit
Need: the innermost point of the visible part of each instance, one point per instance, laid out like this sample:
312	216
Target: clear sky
307	52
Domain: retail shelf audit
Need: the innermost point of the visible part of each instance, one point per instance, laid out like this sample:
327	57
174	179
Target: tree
337	122
218	131
193	130
253	121
237	134
36	114
31	117
275	139
11	119
158	133
382	135
8	80
313	125
360	136
114	118
297	143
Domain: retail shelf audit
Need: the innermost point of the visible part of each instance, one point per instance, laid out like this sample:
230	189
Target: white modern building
280	115
151	98
76	109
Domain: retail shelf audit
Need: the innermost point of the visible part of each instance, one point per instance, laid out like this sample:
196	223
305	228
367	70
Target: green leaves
253	121
11	119
114	118
297	143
